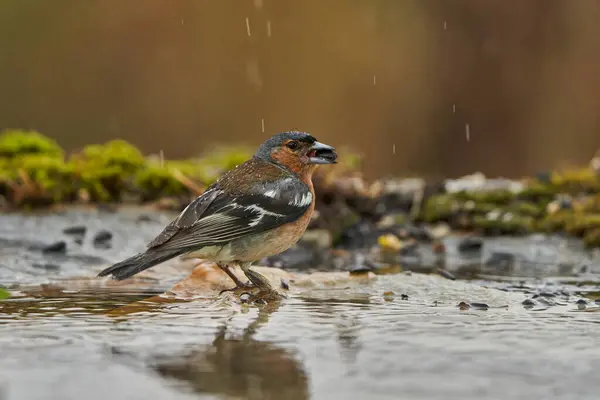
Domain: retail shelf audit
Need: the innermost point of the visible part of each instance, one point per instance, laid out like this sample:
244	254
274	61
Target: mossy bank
36	172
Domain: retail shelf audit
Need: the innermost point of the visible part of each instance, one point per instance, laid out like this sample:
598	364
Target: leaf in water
3	294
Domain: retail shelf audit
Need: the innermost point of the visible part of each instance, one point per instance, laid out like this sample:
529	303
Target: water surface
400	336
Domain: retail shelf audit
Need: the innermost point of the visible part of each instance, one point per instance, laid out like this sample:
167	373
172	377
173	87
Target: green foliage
4	294
105	171
14	143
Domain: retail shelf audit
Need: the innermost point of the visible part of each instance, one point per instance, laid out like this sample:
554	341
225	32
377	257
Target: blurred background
430	87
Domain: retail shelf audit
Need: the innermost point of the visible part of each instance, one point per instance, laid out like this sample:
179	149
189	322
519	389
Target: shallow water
400	336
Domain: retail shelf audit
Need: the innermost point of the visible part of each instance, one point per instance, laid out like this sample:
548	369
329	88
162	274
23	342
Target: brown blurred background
521	76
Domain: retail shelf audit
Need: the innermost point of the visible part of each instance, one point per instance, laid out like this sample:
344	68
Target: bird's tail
138	263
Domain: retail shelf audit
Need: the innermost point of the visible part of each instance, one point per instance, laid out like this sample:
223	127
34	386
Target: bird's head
297	151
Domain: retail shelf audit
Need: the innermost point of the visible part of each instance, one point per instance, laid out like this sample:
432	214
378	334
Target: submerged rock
102	239
78	230
56	247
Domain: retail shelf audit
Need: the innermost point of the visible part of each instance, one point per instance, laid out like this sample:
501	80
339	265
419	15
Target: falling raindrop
394	148
268	28
445	25
468	132
248	26
262	123
374	80
453	108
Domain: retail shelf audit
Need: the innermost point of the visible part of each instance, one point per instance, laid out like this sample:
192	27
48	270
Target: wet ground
520	325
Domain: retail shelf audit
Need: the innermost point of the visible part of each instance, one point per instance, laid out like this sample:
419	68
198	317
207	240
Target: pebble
528	303
390	242
57	247
284	284
78	230
480	306
102	239
404	296
470	244
446	274
359	269
463	306
245	297
581	304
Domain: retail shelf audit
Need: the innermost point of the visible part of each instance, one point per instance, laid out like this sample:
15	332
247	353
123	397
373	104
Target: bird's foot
239	286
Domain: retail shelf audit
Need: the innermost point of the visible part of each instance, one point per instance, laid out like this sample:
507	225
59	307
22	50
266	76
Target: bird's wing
218	217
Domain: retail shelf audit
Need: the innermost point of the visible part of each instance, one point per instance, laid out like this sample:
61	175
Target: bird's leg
235	279
257	279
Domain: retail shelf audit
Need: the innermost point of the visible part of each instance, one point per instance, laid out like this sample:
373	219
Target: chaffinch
258	209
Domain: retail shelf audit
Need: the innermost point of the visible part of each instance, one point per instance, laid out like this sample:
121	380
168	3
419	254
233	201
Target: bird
258	209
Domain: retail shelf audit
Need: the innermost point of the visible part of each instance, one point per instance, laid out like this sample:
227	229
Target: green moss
499	197
117	153
538	192
504	223
156	180
440	207
592	238
14	143
555	222
50	174
106	171
526	208
579	224
576	181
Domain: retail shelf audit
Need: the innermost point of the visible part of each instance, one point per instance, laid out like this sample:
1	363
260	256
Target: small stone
102	239
388	296
446	274
284	284
480	306
57	247
245	297
359	269
528	303
597	301
439	231
390	242
404	296
463	306
581	304
470	244
546	294
78	230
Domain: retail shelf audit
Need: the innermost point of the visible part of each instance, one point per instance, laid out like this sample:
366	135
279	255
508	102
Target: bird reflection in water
240	367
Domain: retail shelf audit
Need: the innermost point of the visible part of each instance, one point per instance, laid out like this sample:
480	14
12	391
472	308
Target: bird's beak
321	153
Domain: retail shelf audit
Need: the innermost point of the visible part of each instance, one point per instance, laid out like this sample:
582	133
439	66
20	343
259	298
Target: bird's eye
293	145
